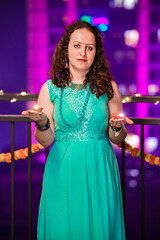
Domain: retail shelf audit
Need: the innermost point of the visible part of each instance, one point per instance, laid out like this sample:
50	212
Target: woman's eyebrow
84	43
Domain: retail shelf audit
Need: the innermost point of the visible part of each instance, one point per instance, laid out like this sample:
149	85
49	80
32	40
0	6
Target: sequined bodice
94	122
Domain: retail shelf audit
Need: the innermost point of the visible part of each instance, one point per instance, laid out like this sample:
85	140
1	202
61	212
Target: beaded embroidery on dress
81	192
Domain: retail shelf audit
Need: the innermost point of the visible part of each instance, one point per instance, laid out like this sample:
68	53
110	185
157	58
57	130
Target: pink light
100	20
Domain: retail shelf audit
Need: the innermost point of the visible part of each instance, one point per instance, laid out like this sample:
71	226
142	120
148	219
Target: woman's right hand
38	116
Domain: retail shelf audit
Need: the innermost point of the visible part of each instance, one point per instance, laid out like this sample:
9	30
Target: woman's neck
77	77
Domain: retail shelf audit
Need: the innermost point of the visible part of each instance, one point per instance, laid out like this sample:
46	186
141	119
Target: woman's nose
83	51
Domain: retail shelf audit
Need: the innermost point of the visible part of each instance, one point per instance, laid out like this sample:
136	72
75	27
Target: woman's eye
90	48
76	45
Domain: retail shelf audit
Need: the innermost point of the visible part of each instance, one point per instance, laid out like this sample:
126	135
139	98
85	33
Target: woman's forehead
83	35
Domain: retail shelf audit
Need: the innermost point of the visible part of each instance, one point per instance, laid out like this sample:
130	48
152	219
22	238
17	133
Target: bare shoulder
114	86
117	95
44	89
115	103
44	98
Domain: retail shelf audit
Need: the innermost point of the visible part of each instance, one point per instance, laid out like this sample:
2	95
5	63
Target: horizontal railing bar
14	118
142	98
20	118
18	97
146	121
33	97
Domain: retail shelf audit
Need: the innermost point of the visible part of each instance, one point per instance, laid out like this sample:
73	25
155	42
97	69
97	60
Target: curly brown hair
99	76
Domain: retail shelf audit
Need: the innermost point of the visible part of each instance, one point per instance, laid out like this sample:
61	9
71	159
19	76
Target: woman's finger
128	120
24	113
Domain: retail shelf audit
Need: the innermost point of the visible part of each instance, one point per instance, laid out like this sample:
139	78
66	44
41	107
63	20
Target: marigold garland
136	152
23	153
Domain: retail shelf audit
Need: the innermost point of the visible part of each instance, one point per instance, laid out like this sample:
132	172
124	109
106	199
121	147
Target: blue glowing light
103	27
101	22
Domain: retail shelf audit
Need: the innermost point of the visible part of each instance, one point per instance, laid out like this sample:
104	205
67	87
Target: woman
81	195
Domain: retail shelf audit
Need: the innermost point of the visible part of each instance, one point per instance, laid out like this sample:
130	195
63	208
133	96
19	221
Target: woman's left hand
118	120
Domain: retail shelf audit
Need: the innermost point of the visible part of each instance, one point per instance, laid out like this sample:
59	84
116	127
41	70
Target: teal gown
81	192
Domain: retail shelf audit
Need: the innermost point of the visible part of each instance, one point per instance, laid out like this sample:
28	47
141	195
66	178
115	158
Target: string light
156	103
13	100
1	91
23	93
127	99
137	94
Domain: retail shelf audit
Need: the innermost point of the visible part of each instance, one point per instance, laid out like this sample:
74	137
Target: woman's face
81	50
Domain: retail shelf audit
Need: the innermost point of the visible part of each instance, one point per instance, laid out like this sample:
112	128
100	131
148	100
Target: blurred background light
158	35
132	183
132	88
132	172
153	89
131	38
133	139
128	4
103	27
122	89
101	22
151	144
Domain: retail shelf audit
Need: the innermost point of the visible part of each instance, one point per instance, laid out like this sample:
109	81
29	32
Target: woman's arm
43	137
115	106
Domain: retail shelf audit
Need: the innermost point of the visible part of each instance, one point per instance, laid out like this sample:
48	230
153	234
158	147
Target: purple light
99	20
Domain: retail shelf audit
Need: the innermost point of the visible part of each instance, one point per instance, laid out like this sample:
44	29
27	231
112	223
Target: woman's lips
82	60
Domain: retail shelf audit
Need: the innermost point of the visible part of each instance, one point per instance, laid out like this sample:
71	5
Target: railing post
12	183
29	183
123	175
142	186
46	152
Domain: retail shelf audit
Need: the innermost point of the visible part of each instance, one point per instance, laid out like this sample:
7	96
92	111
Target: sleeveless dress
81	192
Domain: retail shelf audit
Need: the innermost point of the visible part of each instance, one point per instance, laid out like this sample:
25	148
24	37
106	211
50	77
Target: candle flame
36	108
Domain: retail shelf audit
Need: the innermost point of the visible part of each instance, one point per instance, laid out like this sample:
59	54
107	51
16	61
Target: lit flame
36	108
121	115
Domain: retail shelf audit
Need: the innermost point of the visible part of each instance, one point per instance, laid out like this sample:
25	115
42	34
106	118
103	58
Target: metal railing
141	122
18	118
12	119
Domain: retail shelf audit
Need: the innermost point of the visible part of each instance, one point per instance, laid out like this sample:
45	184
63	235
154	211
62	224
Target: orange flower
39	146
134	152
21	154
145	154
126	146
119	145
34	148
7	157
17	154
15	157
152	159
26	152
157	160
147	157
